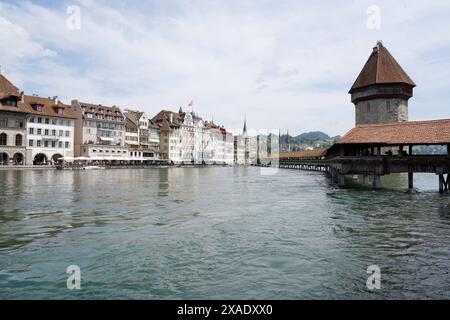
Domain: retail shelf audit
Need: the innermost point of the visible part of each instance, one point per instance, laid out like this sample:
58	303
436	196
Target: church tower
382	90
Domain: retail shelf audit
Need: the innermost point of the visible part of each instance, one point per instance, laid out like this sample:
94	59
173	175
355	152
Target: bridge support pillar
341	180
441	183
410	180
376	183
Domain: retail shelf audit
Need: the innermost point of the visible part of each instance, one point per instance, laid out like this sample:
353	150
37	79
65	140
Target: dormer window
59	110
9	102
37	107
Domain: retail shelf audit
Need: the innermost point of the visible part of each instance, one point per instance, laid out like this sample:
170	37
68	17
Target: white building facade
186	139
50	131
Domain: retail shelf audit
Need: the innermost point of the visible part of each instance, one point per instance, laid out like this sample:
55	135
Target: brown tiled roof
95	108
413	132
131	117
49	107
162	119
381	68
7	89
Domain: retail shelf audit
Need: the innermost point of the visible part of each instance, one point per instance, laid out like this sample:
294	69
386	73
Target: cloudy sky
284	64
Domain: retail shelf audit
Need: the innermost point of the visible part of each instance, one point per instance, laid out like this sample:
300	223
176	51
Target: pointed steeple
288	141
245	126
381	68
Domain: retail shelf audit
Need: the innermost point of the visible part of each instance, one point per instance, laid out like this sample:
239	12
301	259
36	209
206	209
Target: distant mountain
313	136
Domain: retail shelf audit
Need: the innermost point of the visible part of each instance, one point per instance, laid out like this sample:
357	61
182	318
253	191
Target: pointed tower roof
381	68
245	126
7	89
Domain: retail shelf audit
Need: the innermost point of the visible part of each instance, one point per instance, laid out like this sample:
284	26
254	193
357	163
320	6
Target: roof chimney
22	97
55	100
171	117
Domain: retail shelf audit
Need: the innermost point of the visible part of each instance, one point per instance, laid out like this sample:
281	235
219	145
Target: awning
107	139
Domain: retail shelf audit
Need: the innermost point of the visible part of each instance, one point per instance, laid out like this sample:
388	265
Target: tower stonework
382	90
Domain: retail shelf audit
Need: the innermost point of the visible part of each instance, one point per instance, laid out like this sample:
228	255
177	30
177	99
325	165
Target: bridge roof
303	154
405	133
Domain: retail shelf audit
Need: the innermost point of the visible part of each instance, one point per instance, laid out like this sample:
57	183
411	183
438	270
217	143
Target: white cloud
284	64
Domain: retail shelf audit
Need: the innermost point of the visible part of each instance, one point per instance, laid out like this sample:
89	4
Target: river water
218	233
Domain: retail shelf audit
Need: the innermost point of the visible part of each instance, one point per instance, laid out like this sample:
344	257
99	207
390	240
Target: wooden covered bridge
381	149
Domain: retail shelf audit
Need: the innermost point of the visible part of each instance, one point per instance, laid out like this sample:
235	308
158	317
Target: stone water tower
382	90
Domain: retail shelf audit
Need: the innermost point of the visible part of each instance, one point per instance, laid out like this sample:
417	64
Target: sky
281	64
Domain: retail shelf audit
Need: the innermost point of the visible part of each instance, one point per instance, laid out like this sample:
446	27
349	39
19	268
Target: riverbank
8	168
11	168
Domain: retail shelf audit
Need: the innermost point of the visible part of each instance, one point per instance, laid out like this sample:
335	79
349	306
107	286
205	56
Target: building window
3	122
67	145
61	132
53	132
30	143
60	144
67	133
31	130
54	121
3	139
39	131
47	121
53	144
45	144
38	143
19	124
19	140
39	120
32	120
46	132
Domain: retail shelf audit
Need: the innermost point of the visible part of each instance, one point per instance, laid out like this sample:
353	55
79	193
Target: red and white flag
191	104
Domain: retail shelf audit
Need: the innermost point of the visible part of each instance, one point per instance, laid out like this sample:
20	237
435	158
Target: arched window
3	139
19	140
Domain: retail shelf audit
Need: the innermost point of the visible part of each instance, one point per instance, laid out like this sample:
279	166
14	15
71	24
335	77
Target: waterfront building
99	131
186	138
222	145
142	136
382	90
12	124
245	148
50	130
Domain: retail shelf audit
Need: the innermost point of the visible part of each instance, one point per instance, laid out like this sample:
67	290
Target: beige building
141	136
99	131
